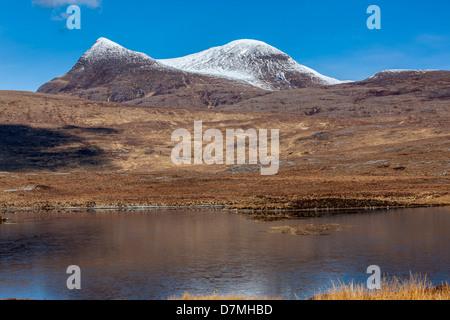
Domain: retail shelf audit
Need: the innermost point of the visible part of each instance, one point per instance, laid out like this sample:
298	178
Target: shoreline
291	191
251	209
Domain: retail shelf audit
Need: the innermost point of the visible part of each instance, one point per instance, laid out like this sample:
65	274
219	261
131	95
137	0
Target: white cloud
60	3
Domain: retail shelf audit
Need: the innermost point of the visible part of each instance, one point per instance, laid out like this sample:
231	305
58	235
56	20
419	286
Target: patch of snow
27	188
107	50
393	71
247	61
104	49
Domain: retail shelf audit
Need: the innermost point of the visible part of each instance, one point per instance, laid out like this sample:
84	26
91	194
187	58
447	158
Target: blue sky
328	36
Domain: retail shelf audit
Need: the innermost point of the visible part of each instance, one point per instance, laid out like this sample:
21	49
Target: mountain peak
250	42
106	43
105	49
249	46
252	62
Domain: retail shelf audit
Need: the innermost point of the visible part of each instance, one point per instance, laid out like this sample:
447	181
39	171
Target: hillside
59	150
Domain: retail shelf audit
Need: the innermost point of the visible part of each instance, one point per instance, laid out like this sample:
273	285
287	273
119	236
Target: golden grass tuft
416	287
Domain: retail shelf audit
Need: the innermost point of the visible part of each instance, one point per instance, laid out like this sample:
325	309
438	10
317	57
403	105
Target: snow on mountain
108	71
252	62
388	72
112	56
105	49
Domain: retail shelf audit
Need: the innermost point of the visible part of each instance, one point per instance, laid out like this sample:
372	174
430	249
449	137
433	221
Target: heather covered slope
412	95
59	150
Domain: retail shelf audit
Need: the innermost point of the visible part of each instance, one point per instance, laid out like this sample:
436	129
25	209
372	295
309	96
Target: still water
158	254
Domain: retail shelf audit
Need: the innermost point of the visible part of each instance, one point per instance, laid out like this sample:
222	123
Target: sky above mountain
328	36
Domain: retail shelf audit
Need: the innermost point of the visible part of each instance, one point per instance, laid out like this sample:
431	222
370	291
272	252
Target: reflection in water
154	255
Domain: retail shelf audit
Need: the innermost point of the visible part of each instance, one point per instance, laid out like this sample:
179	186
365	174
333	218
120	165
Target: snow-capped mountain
106	56
247	75
105	50
220	75
252	62
110	72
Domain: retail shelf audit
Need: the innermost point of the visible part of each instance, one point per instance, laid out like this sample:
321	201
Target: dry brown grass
216	296
109	154
416	287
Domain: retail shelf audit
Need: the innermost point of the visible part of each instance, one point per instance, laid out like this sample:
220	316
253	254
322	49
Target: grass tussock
416	287
216	296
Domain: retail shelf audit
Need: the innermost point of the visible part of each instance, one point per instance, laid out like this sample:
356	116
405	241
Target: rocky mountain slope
218	76
109	72
246	75
252	62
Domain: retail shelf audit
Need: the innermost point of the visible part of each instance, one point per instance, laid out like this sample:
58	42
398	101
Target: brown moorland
59	151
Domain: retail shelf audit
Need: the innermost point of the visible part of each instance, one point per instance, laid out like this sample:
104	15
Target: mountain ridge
110	72
260	66
253	62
